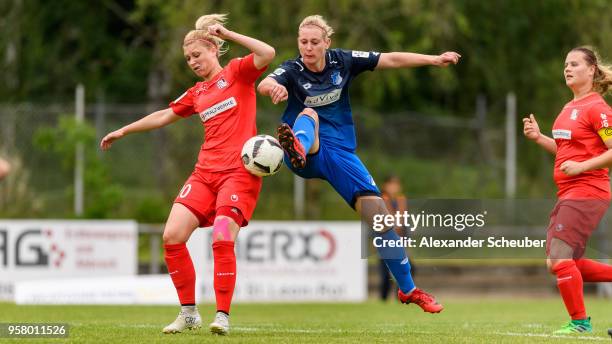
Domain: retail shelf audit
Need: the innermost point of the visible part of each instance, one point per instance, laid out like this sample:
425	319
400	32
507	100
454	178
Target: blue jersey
326	92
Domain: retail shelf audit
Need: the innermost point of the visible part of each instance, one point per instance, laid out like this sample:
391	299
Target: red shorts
573	221
205	192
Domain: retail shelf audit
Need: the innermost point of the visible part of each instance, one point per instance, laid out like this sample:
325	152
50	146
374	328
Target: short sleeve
246	70
183	105
360	61
599	117
281	74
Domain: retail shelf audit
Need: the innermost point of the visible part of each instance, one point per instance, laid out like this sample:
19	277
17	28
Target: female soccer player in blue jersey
318	134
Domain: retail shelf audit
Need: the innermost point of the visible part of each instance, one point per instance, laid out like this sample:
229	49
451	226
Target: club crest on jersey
574	114
562	134
221	83
336	78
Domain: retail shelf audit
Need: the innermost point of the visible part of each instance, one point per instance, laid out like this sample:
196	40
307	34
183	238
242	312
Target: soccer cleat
220	325
185	320
427	302
576	326
291	145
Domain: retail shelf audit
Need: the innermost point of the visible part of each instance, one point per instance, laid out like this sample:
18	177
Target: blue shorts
342	169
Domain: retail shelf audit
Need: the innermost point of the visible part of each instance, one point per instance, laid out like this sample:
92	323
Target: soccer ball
262	155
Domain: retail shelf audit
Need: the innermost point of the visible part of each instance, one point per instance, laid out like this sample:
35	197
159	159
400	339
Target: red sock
569	281
225	273
180	268
593	271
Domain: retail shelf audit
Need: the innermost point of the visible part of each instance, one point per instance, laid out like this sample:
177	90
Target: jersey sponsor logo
217	109
336	78
562	134
363	54
221	83
574	115
278	71
604	120
323	99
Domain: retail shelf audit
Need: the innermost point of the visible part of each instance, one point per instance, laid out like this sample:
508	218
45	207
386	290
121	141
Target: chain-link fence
434	155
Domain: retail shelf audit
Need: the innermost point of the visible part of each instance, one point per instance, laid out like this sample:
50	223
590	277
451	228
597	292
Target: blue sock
397	262
304	130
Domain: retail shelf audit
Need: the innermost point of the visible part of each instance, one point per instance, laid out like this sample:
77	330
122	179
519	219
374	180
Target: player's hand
278	93
108	140
447	58
218	30
531	129
572	168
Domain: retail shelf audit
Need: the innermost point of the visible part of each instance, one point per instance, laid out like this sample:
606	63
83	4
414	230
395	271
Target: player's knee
311	113
227	224
171	237
221	229
551	264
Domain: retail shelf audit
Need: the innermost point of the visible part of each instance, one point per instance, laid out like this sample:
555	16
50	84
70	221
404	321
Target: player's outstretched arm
531	130
271	88
155	120
264	53
406	60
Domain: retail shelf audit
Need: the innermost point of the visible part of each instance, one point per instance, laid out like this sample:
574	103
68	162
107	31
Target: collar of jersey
303	65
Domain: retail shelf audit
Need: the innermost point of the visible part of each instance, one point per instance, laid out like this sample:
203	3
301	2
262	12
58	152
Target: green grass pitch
463	321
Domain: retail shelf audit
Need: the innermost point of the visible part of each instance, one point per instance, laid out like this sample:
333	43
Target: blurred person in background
220	192
395	200
321	143
582	145
5	168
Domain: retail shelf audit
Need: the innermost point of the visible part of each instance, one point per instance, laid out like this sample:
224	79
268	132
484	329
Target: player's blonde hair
201	32
320	22
602	79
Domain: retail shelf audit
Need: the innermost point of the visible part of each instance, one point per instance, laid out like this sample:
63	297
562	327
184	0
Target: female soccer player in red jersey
219	192
583	151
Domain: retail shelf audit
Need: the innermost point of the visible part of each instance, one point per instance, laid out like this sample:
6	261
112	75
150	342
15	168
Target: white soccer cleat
187	319
220	325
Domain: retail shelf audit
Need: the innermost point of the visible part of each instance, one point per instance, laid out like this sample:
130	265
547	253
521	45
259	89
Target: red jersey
226	105
576	132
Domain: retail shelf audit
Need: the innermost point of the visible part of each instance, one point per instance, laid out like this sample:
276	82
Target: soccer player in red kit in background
582	146
219	192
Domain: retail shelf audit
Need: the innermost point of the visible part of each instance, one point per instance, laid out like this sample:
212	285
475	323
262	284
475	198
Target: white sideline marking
544	335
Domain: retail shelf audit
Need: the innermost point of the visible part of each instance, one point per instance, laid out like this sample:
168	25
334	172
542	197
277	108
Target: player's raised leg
225	231
302	139
395	257
181	223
